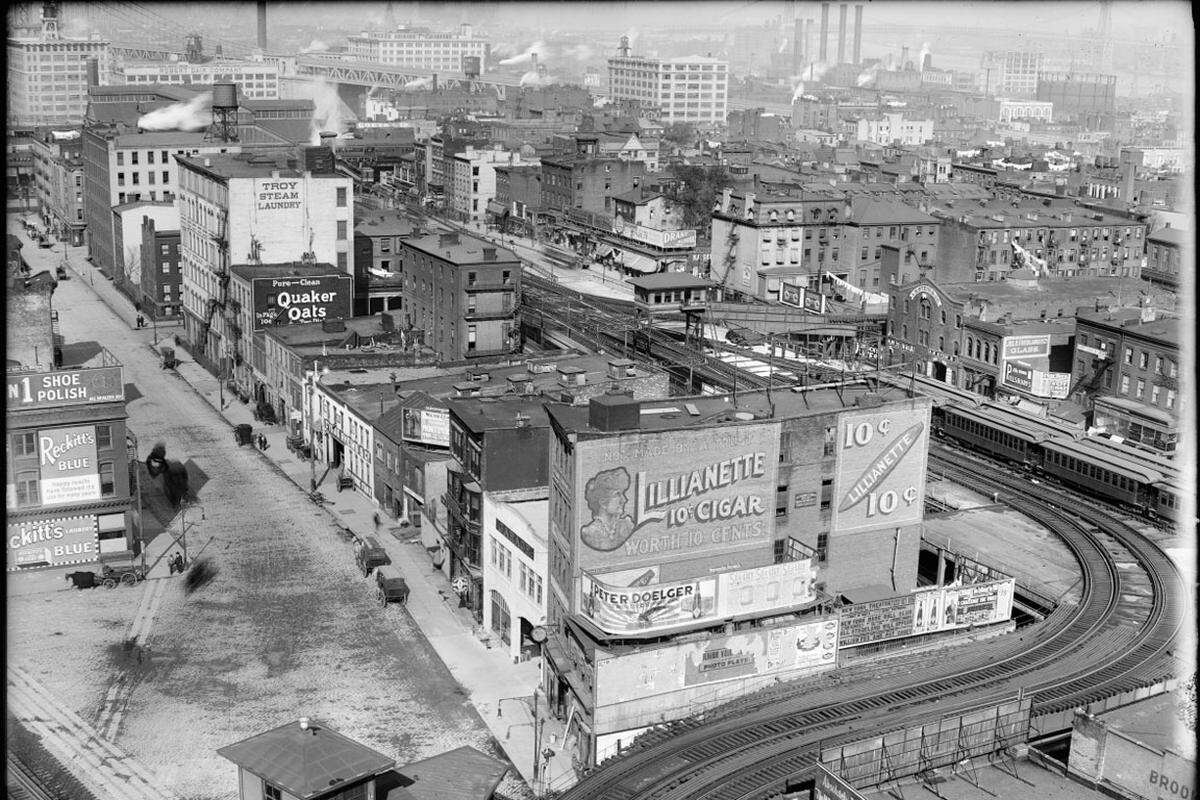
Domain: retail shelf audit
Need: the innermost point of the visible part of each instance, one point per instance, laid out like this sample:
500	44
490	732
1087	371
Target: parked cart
370	555
392	588
125	574
168	358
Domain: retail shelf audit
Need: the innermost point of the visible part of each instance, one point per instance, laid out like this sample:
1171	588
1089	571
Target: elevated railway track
1120	638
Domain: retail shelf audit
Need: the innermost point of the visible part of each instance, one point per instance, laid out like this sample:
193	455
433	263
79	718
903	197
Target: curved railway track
1118	637
22	783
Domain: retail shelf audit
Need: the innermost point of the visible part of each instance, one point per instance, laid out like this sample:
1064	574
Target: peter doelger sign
71	387
293	299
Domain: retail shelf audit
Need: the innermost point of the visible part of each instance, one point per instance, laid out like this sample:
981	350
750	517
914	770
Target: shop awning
638	262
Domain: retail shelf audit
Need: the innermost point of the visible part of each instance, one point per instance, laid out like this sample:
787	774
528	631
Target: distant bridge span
369	74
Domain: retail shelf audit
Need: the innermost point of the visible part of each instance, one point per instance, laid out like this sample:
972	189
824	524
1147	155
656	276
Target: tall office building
48	75
692	89
420	48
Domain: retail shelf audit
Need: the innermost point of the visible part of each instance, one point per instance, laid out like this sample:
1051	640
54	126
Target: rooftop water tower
224	112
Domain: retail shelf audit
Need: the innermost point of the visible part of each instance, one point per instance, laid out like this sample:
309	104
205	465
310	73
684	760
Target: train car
1099	471
1165	500
1014	440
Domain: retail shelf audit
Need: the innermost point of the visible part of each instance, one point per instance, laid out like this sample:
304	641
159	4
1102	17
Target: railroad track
24	784
1112	641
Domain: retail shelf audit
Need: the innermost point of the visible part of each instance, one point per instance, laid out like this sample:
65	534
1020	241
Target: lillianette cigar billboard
880	477
670	496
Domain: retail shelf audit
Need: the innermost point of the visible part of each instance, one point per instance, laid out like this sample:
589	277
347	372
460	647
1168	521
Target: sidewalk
500	690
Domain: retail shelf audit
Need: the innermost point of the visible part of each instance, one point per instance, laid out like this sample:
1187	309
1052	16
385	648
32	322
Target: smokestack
904	57
842	33
93	72
533	62
262	25
858	14
824	32
798	46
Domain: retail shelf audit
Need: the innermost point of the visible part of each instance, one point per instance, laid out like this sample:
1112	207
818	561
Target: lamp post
183	507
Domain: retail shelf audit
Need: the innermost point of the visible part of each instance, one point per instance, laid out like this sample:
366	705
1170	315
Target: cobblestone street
287	627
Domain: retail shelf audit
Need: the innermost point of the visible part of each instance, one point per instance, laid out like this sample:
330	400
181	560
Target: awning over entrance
638	262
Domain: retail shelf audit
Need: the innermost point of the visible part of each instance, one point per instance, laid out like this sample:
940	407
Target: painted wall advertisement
751	591
1018	375
1025	346
52	542
791	294
1039	383
830	787
292	299
927	611
426	425
71	387
67	457
666	497
803	647
641	608
880	476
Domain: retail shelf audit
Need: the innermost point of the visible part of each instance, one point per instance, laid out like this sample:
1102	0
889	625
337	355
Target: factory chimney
262	24
858	15
842	33
824	32
798	46
623	47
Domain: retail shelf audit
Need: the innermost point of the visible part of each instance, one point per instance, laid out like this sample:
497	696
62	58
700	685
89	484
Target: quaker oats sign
650	498
69	470
293	299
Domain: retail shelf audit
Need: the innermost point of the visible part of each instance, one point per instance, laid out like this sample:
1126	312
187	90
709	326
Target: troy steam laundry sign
274	194
65	388
880	476
681	493
292	299
51	542
67	458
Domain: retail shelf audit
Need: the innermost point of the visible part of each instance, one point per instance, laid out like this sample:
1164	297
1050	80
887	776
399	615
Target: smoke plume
921	56
783	45
798	91
327	110
315	46
532	78
193	115
418	83
524	57
815	71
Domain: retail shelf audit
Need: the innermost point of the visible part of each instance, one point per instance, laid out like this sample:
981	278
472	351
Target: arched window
956	348
926	308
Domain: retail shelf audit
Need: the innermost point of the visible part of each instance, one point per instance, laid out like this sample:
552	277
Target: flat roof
669	280
251	271
223	166
467	250
480	414
385	225
1169	236
1153	721
1129	319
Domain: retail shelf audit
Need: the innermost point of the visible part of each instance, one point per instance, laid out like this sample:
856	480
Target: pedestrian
376	520
171	562
179	563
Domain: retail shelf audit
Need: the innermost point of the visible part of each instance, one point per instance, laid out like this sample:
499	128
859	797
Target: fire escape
221	272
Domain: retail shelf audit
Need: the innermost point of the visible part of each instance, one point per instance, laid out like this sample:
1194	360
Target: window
107	486
133	157
1128	353
27	489
1170	398
1143	359
341	229
271	792
1154	395
470	337
341	261
120	158
1158	365
1124	384
506	277
826	493
822	545
25	444
341	197
120	179
1141	389
103	436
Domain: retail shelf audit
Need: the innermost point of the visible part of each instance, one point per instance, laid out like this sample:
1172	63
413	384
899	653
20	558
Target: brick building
161	281
58	183
583	181
1164	254
378	262
462	293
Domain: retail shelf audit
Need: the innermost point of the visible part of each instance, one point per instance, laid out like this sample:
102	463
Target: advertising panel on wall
801	647
927	611
668	496
1018	375
880	476
617	608
1031	346
52	542
1055	385
67	457
427	426
790	294
292	299
750	591
68	387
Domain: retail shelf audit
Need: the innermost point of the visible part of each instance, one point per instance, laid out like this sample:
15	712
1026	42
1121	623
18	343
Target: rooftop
479	414
1153	722
385	225
869	211
161	138
668	280
461	774
1173	236
223	166
306	761
1129	319
318	269
363	391
461	250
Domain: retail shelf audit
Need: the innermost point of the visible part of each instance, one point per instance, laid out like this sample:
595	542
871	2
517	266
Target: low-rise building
474	182
127	223
1164	253
57	171
462	293
161	279
379	262
890	128
1126	370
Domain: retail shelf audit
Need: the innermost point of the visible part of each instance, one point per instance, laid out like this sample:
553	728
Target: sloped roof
462	774
306	763
870	211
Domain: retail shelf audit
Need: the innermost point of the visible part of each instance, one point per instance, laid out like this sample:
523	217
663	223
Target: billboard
669	496
52	542
1018	375
292	299
1052	384
802	647
639	608
279	194
927	611
880	476
751	591
67	457
830	787
1025	346
790	294
426	426
73	387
